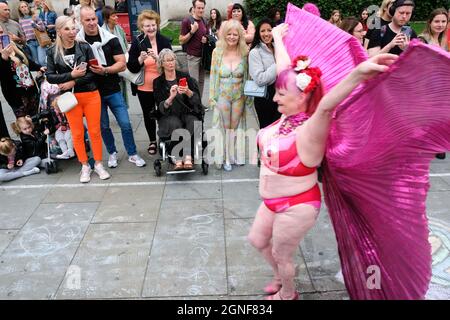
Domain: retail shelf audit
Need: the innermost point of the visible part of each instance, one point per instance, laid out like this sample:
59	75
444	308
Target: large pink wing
331	49
376	174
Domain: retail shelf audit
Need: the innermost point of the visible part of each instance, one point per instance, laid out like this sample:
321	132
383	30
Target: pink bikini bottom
311	197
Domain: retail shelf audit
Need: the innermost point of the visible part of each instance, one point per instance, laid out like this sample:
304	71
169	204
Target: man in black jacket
3	128
110	60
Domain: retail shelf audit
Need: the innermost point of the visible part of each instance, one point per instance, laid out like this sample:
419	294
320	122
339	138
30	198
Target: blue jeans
38	53
118	107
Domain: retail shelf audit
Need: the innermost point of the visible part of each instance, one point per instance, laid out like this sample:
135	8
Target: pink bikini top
279	153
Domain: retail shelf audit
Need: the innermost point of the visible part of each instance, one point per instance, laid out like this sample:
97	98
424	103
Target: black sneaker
440	155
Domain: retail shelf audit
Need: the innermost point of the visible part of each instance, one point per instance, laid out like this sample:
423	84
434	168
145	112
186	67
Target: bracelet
106	72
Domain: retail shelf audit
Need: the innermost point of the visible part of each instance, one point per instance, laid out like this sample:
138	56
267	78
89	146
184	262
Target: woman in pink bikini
291	149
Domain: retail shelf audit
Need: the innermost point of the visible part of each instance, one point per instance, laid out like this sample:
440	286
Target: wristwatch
106	72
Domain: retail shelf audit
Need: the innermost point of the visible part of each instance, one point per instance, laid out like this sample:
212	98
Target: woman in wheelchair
178	100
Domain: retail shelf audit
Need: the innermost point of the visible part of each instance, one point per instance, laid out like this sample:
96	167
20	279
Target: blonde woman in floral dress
229	71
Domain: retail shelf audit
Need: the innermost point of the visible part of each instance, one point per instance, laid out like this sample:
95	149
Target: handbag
252	89
67	101
135	78
42	38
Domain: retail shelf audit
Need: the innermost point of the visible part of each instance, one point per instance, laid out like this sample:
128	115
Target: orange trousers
89	106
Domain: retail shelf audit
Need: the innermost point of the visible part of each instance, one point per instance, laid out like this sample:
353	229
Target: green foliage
260	8
172	31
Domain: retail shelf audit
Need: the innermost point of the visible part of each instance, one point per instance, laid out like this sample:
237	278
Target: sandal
178	165
152	148
272	287
188	164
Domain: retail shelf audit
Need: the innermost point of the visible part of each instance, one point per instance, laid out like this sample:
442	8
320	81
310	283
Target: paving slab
111	262
188	251
14	214
241	199
6	236
34	264
78	193
191	191
130	204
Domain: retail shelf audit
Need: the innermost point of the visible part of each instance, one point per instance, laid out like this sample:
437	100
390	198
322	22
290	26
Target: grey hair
162	55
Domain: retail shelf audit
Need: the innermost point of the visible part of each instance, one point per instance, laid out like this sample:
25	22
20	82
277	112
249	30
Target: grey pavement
138	236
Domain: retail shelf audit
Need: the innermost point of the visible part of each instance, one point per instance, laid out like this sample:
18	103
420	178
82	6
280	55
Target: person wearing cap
395	36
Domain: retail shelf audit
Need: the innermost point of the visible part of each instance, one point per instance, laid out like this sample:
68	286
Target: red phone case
93	62
182	82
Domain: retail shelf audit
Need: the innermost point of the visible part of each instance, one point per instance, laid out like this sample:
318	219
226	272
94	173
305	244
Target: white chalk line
126	184
146	183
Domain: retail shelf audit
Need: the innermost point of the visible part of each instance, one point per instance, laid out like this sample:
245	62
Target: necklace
292	122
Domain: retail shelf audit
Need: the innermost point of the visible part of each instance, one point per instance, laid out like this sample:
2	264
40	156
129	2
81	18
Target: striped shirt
26	24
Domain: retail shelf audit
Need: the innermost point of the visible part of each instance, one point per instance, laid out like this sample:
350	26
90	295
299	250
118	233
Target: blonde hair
60	23
162	56
224	29
384	7
17	54
49	5
6	146
148	15
88	3
21	121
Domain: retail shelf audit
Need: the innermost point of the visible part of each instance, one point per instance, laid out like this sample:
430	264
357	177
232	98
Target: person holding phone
11	27
177	97
67	64
395	36
108	62
17	82
143	53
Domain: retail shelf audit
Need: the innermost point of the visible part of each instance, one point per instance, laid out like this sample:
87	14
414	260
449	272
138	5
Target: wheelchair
165	146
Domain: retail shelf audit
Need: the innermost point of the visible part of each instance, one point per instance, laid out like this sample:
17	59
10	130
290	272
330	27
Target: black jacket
59	72
11	92
142	43
19	156
34	145
182	103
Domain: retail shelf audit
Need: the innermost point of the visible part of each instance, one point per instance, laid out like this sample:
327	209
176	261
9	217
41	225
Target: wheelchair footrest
179	171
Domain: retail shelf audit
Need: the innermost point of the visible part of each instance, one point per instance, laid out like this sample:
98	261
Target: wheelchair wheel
157	167
204	168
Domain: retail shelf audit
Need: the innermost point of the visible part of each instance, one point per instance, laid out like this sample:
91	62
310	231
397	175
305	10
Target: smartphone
5	40
82	66
182	82
407	31
93	62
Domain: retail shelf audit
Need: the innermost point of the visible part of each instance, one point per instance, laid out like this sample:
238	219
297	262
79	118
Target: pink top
279	153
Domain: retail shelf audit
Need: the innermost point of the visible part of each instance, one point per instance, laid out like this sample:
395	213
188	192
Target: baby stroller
166	145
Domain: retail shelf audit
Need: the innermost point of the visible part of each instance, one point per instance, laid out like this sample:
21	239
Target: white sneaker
227	167
85	175
63	156
31	171
112	161
100	170
137	160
